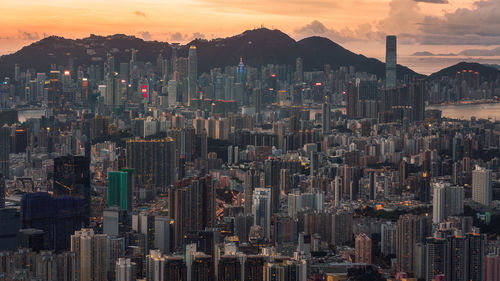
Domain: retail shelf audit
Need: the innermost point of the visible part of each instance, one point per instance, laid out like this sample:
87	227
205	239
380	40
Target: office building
192	74
390	62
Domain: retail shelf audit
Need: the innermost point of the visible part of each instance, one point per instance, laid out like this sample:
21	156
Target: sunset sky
439	26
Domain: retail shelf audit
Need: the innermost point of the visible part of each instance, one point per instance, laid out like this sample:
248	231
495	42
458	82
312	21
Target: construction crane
65	186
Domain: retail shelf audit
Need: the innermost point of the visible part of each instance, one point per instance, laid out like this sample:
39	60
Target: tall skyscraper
481	186
390	62
417	101
363	251
4	150
299	72
261	209
411	230
325	118
388	238
352	101
447	201
192	207
272	178
90	249
192	74
252	181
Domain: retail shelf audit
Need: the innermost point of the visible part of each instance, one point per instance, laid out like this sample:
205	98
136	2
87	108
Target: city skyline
435	26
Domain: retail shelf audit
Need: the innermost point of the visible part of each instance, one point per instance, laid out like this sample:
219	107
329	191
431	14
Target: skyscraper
90	249
252	181
390	62
4	151
261	209
299	74
192	74
352	101
481	186
272	178
325	118
411	229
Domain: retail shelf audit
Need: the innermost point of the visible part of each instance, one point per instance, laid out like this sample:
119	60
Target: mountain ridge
256	47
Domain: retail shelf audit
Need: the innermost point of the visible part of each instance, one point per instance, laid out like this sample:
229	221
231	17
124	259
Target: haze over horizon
436	26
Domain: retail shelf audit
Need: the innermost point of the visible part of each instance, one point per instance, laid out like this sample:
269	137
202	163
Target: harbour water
466	111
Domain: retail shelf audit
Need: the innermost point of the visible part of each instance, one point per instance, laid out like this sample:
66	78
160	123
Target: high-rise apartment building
447	201
90	249
481	186
153	161
363	250
125	270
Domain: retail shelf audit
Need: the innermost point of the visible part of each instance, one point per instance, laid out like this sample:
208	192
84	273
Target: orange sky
352	23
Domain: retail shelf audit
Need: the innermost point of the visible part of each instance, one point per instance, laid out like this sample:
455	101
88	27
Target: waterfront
466	111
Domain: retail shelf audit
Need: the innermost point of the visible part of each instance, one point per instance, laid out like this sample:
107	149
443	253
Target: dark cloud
140	14
145	35
433	1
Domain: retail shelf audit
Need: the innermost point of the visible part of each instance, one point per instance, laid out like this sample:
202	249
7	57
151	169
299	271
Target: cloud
479	25
140	14
176	36
481	52
145	35
430	54
25	35
198	35
433	1
361	33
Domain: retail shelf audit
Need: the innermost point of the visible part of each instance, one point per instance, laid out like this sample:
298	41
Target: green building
119	193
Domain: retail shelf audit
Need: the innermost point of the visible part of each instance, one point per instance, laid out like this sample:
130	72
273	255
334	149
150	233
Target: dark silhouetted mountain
256	47
486	72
